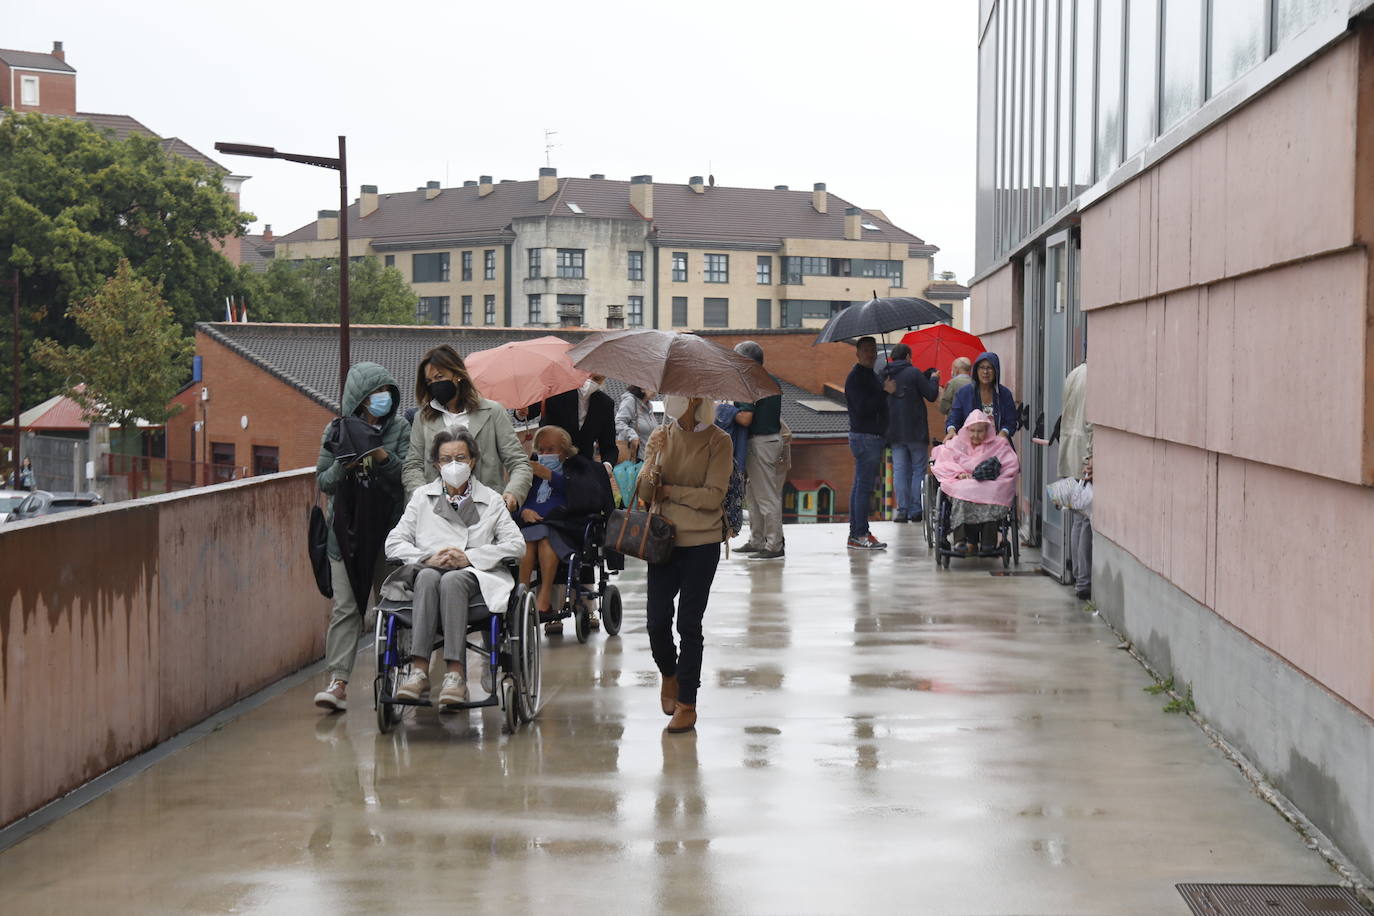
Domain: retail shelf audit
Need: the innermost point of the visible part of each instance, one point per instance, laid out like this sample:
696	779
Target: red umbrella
524	372
937	346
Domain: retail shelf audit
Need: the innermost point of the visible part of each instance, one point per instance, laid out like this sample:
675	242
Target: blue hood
996	367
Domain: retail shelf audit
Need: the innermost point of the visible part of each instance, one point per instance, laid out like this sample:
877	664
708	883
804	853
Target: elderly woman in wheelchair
455	539
977	470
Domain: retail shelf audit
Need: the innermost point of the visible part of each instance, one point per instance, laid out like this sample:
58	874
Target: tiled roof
185	150
947	289
746	215
255	252
34	60
306	356
120	127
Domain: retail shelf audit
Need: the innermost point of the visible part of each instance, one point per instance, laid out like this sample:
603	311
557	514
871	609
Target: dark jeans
686	577
867	449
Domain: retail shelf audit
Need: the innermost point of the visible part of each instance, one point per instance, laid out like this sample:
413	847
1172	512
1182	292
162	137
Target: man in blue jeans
867	403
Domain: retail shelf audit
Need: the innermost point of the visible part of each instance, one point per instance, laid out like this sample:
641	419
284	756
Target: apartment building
595	252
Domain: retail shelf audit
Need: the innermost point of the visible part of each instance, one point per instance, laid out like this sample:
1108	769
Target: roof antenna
710	174
548	146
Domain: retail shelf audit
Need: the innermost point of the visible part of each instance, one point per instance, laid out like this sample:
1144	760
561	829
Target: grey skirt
963	512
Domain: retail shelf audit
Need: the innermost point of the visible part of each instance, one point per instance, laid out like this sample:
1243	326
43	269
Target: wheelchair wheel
1015	535
388	676
527	669
510	704
612	612
932	507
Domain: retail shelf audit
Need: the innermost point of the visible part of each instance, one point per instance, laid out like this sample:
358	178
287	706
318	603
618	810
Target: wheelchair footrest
493	700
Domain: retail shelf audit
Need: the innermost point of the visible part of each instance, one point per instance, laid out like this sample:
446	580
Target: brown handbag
647	535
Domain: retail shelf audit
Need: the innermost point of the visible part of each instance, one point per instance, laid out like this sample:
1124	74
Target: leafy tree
137	357
74	202
308	291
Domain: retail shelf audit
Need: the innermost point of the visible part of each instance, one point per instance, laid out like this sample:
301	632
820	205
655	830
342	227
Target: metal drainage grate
1015	572
1269	899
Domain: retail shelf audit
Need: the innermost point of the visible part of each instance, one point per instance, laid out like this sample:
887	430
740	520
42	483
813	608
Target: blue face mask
379	404
552	462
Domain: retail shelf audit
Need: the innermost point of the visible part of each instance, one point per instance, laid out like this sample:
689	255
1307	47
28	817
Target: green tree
308	291
74	202
137	358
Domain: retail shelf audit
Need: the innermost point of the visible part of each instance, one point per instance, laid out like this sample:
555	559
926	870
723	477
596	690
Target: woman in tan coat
686	472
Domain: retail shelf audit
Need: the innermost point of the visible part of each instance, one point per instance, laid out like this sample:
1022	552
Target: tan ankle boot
667	695
684	719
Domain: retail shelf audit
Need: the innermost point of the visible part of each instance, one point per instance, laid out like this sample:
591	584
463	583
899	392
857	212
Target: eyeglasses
448	459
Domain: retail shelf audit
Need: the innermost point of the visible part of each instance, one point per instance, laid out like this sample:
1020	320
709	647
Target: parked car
44	502
9	499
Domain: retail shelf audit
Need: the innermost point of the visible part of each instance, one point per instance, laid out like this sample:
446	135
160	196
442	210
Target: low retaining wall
124	625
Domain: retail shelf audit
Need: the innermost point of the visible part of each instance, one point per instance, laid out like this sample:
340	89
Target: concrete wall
1228	293
124	625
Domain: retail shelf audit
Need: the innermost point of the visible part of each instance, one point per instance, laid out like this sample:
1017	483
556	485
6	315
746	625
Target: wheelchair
584	581
512	651
1008	530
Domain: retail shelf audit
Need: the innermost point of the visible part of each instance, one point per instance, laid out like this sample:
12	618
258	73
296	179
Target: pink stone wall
123	626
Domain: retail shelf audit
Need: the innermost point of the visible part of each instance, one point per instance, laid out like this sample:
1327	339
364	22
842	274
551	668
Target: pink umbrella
524	372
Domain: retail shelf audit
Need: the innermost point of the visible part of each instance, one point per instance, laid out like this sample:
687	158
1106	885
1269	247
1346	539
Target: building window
635	307
429	268
763	272
880	270
489	309
794	268
764	318
820	308
389	261
536	256
636	270
1183	30
28	90
467	265
467	309
791	313
536	306
717	268
265	460
716	312
679	267
571	310
489	264
433	309
222	461
572	263
679	311
1239	39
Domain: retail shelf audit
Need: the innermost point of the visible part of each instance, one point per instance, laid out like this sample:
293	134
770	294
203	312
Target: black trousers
686	578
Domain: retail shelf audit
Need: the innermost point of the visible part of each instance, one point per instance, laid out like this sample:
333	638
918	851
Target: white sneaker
454	691
333	697
413	685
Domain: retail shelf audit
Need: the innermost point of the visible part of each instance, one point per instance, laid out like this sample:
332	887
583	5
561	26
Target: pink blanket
961	456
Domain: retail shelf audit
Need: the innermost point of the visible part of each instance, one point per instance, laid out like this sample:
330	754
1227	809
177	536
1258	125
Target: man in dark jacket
588	414
867	403
908	431
373	395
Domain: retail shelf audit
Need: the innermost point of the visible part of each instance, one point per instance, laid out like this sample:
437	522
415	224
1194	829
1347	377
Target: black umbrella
879	316
362	504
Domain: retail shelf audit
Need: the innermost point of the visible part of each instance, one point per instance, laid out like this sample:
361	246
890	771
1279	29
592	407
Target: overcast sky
875	99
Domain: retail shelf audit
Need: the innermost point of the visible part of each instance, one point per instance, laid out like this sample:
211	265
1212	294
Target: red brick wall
828	460
56	91
790	356
278	415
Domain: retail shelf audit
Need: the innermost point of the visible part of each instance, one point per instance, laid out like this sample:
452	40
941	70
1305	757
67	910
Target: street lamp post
325	162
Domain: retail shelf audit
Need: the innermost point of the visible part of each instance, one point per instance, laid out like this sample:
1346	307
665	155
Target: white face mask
591	386
456	473
675	405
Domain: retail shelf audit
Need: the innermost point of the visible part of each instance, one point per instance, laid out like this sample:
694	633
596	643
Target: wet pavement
876	736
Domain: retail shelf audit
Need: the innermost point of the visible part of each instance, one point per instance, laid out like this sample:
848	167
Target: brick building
266	391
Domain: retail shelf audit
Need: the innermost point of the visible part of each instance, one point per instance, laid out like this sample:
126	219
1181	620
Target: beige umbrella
673	363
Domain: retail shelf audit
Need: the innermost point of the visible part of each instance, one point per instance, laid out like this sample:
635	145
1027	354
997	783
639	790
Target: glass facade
1068	90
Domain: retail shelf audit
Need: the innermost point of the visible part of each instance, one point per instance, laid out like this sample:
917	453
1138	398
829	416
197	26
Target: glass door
1057	332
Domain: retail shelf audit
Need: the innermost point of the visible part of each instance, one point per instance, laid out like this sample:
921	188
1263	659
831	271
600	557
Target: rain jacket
1004	416
960	455
502	464
363	379
634	419
1075	432
906	411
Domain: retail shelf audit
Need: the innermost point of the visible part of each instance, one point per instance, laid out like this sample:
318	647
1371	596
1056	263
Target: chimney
819	199
598	176
698	184
431	190
484	186
367	201
267	233
852	219
327	225
779	187
548	183
58	52
642	195
469	184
